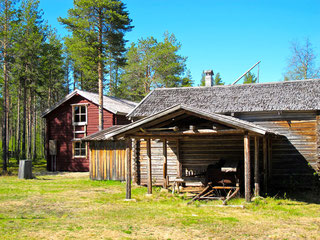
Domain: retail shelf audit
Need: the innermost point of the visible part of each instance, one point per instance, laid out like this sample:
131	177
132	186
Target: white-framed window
79	114
79	149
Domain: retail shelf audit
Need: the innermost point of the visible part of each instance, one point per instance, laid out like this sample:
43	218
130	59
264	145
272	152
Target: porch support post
247	174
149	166
165	160
256	167
179	164
265	165
128	178
269	157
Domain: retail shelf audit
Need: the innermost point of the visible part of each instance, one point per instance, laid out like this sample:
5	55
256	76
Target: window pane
83	109
83	151
77	152
83	145
83	118
76	118
76	109
77	145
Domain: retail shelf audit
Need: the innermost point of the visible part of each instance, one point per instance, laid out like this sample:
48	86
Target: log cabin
73	118
270	129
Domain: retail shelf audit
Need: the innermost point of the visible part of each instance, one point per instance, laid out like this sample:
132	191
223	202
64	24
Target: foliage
98	28
301	65
249	78
36	74
153	64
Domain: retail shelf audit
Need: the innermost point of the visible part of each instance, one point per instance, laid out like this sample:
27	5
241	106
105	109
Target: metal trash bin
25	169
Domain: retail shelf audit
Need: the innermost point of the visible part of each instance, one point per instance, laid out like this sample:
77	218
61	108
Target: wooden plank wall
295	155
108	160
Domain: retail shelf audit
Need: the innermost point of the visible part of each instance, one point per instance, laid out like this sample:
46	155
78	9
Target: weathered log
128	178
149	166
256	167
165	162
247	174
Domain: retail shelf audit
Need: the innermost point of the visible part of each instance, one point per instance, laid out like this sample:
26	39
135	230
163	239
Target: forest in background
38	67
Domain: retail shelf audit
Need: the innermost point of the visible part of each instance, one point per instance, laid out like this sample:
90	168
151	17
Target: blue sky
228	36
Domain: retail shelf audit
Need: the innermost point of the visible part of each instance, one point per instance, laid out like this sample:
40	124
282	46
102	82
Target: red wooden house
73	118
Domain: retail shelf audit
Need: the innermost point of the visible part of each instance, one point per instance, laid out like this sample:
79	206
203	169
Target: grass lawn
70	206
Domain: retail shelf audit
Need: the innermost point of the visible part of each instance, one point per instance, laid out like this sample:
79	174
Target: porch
182	142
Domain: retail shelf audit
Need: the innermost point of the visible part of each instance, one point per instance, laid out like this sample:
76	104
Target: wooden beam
265	165
149	166
149	122
128	177
179	164
165	162
256	167
200	132
247	174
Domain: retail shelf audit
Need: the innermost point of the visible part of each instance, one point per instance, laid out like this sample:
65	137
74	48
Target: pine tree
28	45
217	79
249	78
7	30
153	64
98	28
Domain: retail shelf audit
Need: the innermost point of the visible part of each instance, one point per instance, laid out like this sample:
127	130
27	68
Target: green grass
70	206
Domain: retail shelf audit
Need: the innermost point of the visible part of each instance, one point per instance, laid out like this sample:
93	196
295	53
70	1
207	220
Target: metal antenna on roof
246	73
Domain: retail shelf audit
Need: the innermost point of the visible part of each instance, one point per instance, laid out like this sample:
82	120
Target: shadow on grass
303	196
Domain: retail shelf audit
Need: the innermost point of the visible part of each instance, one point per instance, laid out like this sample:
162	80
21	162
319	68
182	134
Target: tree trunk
24	119
18	139
100	73
49	97
34	155
5	107
29	124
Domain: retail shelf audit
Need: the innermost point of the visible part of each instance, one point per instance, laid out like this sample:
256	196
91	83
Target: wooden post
149	166
269	157
265	165
128	178
247	174
165	160
179	164
256	167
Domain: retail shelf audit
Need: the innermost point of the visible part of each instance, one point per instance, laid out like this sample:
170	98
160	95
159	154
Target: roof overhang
90	98
176	111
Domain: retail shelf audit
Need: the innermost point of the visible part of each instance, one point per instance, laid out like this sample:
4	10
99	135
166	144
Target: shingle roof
276	96
228	120
112	104
100	135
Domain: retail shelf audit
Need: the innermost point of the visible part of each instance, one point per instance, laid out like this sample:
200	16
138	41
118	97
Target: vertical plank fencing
108	160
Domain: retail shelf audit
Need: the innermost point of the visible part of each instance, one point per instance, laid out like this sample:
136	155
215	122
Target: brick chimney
209	78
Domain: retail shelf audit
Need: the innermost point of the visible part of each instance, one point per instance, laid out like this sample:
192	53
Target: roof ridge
243	84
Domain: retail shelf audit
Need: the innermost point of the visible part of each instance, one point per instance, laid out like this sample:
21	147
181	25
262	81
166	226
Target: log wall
294	155
157	161
196	154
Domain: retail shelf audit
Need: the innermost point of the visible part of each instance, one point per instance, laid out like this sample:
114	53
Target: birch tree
301	64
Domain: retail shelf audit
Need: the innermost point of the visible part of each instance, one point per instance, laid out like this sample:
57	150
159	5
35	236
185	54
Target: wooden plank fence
108	160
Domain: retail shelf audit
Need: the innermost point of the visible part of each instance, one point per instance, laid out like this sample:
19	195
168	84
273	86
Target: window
79	114
80	149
